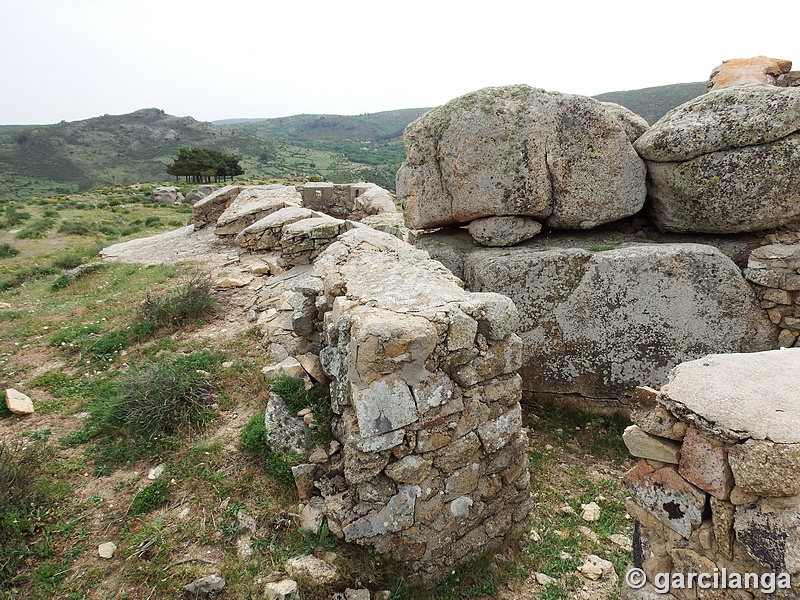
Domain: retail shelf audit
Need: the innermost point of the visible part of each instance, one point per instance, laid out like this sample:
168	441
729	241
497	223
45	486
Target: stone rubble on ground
206	586
285	589
106	550
315	570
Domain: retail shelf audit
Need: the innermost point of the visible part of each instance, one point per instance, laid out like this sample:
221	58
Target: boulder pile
517	166
726	162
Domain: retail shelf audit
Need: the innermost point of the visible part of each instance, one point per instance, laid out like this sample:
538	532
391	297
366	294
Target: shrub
152	221
36	230
192	301
74	258
162	399
149	406
8	251
77	227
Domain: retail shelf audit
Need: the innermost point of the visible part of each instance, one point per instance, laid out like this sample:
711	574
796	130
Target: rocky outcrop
166	195
726	162
597	323
729	504
760	69
518	151
195	195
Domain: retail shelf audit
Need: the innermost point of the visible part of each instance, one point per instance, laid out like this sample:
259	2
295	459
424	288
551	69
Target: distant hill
112	149
654	102
373	139
67	157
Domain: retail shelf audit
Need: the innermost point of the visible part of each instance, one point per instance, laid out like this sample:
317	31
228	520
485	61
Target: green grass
149	498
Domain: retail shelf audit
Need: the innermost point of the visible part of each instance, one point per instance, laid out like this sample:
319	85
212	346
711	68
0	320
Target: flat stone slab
740	396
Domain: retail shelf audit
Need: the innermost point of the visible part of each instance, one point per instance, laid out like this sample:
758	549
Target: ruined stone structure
717	487
429	463
426	394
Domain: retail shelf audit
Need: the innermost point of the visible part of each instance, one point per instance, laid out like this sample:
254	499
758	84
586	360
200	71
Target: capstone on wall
717	486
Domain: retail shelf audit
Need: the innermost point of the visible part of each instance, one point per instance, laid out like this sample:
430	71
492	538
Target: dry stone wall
717	486
775	271
432	466
428	464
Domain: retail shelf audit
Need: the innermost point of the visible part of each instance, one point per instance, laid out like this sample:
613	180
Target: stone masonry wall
775	271
429	465
717	489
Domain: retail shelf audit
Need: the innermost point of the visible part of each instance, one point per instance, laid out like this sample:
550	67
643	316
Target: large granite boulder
599	323
515	150
166	194
739	71
727	161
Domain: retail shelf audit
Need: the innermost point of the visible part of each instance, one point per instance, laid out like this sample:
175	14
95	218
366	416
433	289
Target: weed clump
8	251
253	441
23	498
149	498
149	407
253	438
191	302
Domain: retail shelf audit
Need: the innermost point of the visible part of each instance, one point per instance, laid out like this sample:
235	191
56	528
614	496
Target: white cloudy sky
75	59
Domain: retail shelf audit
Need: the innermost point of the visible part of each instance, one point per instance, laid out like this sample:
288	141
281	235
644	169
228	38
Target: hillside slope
654	102
68	157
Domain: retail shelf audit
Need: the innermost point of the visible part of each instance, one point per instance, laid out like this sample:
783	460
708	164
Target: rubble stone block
643	445
771	535
667	496
764	468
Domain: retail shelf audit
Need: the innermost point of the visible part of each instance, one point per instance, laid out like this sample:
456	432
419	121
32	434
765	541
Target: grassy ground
88	350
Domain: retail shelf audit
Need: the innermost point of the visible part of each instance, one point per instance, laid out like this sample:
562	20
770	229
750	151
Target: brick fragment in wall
667	496
704	463
643	445
765	468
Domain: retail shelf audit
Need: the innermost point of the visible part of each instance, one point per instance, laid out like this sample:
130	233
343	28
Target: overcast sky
75	59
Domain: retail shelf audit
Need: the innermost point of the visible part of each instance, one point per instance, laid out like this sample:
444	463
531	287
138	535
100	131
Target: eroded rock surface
597	323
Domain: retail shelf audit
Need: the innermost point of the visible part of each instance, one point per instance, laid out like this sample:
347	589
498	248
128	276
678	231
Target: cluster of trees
202	165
